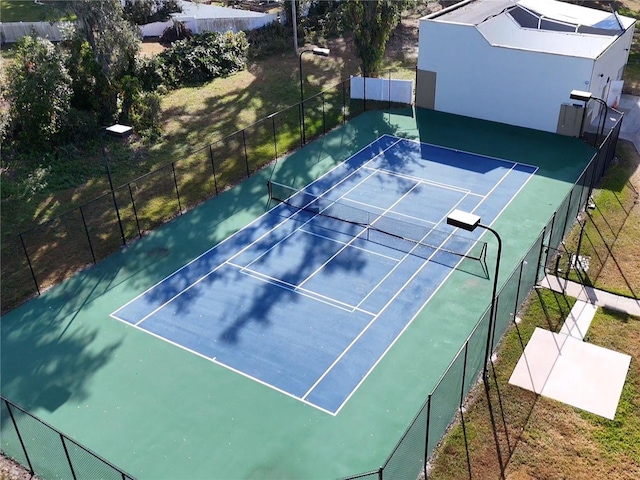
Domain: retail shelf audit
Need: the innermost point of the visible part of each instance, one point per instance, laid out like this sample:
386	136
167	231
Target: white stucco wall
609	65
501	84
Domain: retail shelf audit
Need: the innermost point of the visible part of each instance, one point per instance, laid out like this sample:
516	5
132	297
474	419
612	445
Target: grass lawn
513	433
611	230
27	11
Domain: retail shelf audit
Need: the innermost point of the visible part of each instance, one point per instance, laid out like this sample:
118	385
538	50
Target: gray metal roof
553	27
474	12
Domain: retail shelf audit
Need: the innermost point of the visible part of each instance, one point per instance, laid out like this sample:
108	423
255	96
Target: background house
202	18
516	62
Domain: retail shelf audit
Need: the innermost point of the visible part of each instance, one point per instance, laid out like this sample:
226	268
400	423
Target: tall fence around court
48	452
91	232
409	459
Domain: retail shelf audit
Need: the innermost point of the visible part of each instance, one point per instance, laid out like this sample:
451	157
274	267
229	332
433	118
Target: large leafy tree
38	92
372	22
112	43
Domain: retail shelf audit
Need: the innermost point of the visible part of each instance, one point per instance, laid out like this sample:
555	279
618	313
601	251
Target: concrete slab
600	298
573	372
577	323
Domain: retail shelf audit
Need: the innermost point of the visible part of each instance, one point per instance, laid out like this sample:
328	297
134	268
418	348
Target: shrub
149	73
145	116
202	58
270	39
38	92
325	18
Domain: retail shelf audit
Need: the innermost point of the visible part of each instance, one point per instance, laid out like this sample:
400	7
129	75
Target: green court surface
160	412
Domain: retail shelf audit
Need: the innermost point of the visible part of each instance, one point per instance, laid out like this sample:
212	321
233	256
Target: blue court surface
308	304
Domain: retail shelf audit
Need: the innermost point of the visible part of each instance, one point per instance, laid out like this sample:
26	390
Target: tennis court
295	336
308	298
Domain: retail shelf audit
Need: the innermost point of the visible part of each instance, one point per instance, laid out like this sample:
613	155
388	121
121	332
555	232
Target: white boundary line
113	314
302	291
424	181
213	359
392	343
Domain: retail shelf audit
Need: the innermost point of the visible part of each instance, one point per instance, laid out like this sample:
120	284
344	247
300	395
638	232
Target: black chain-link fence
89	233
47	452
410	457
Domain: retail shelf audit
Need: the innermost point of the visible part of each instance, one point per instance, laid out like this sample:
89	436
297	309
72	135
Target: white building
200	17
516	62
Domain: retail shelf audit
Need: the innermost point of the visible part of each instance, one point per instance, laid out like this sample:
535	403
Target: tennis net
412	238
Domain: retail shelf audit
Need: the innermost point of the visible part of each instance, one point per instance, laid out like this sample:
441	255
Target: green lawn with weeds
527	436
610	230
515	434
28	11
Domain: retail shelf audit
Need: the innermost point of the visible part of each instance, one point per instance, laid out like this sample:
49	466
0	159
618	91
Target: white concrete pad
577	323
573	372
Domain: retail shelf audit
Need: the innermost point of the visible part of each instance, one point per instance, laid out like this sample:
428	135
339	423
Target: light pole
469	221
121	132
585	97
322	52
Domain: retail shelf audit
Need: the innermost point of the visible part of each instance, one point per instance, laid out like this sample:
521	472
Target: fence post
515	307
493	329
544	233
553	222
246	155
584	224
364	90
15	425
389	89
66	452
275	139
135	211
86	230
592	183
26	254
324	120
344	102
175	182
246	158
566	217
415	85
300	120
464	372
213	167
426	442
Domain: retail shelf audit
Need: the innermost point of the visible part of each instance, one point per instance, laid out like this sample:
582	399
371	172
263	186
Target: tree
113	43
38	91
372	22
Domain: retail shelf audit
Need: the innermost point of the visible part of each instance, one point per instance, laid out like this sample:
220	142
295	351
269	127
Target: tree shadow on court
49	355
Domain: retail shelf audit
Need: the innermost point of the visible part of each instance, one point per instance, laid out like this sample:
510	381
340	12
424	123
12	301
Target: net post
270	189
